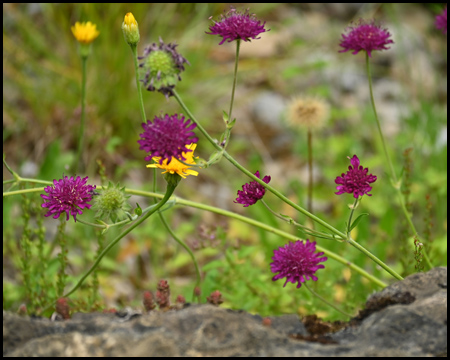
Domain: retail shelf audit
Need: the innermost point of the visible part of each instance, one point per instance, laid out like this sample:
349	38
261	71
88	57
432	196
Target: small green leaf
215	157
138	210
226	118
231	124
288	218
357	220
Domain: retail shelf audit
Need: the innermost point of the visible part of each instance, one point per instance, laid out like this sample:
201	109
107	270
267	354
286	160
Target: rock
408	318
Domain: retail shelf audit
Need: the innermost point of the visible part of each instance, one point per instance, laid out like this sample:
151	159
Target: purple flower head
69	196
252	192
235	25
367	37
167	137
355	180
297	262
441	21
161	67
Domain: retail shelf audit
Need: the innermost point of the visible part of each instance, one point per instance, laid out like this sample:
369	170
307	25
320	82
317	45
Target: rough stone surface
408	318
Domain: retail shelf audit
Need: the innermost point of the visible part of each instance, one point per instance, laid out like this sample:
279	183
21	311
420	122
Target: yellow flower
130	29
85	33
176	167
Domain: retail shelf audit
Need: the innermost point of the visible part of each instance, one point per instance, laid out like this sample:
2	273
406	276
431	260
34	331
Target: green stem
391	168
305	229
326	301
374	258
310	171
350	217
92	224
181	242
395	181
76	165
236	62
167	195
138	84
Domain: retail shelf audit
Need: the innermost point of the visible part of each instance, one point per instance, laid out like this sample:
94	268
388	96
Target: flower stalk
327	302
394	179
76	165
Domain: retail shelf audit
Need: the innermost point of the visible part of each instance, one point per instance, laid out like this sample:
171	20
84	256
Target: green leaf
215	157
357	220
226	118
231	124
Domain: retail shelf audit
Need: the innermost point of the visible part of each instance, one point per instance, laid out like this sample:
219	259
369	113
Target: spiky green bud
111	203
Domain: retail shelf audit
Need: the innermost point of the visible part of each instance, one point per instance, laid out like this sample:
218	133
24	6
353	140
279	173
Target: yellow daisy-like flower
176	167
85	33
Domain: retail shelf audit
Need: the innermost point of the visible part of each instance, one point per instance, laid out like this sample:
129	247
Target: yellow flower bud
130	29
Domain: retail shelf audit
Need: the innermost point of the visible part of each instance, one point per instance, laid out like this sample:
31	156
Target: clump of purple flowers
355	181
69	196
297	262
367	37
252	192
167	137
441	21
235	25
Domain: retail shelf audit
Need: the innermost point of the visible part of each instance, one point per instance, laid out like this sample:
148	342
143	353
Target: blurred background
299	56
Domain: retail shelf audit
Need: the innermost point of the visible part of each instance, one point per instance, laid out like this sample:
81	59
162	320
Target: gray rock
408	318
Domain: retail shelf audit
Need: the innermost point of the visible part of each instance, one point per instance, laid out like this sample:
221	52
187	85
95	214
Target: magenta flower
297	262
161	67
235	25
366	37
167	137
69	196
252	192
355	181
441	21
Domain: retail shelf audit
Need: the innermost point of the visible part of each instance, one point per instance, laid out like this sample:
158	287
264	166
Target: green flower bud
111	203
161	67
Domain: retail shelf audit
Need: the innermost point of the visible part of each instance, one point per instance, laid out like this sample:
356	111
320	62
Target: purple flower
356	180
297	262
235	25
69	196
366	37
167	137
162	66
252	192
441	21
